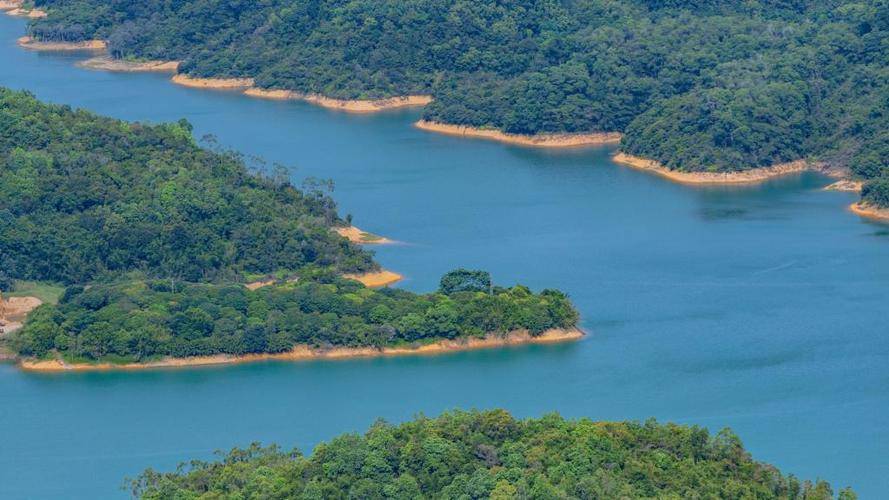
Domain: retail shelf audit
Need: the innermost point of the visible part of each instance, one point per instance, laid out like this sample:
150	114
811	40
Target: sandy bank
14	310
213	83
845	185
29	13
29	43
746	177
376	279
302	352
256	285
7	5
869	211
106	63
356	235
350	105
539	140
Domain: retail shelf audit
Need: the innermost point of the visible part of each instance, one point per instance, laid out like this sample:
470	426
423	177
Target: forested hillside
155	237
492	455
82	196
698	85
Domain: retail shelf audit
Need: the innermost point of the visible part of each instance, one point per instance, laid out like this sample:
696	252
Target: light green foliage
491	455
140	320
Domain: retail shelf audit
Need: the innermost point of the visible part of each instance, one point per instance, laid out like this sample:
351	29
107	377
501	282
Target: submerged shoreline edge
306	353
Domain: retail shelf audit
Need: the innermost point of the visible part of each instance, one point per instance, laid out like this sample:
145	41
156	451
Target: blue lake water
760	308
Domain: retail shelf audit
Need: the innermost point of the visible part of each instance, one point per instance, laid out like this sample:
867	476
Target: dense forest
490	454
139	321
82	197
155	237
715	85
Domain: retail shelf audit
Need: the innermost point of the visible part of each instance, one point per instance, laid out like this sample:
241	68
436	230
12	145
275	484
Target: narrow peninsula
749	176
188	258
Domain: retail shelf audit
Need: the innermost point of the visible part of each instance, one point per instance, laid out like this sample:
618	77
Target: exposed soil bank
845	185
376	279
350	105
870	211
356	235
32	13
14	310
212	83
302	352
539	140
32	44
256	285
106	63
751	176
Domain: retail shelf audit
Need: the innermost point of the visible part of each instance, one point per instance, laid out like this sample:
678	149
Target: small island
199	261
491	454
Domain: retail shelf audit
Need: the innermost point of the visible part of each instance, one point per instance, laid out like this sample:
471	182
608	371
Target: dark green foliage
83	196
876	192
138	320
492	455
154	234
7	284
715	85
464	280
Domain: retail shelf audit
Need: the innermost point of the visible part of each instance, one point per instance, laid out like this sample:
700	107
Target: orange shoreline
349	105
32	44
376	279
305	353
356	235
540	140
870	212
212	83
750	176
16	8
106	63
846	185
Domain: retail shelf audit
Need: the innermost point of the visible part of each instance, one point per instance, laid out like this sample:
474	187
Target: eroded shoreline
349	105
540	140
32	44
305	353
106	63
212	83
376	279
356	235
870	212
751	176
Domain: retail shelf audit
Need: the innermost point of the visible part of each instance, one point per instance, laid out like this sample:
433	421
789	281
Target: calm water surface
762	309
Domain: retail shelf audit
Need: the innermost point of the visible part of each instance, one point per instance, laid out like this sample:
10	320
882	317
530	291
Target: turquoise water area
760	308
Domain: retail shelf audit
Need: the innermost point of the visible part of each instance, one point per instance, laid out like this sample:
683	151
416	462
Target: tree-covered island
697	86
154	238
474	455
